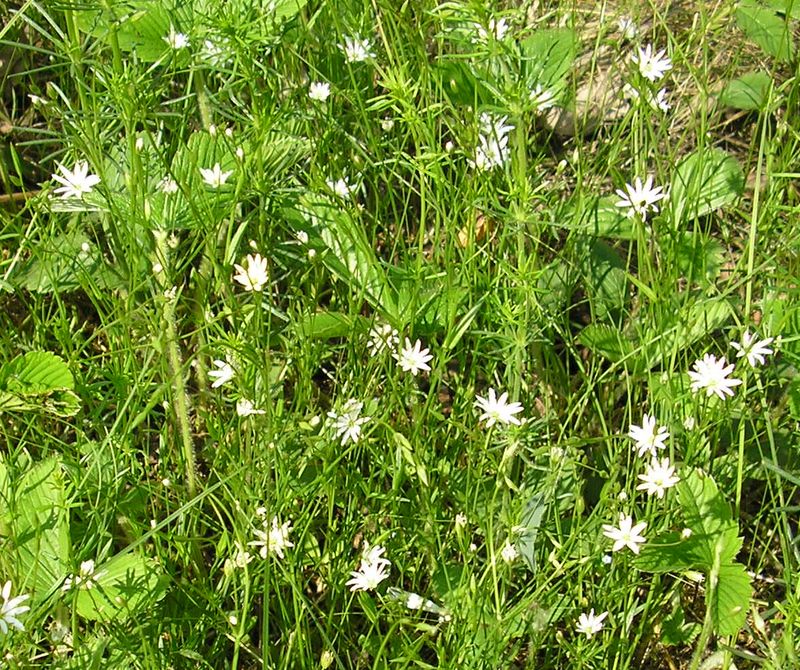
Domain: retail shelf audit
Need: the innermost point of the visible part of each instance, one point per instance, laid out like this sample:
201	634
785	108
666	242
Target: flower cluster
492	150
372	570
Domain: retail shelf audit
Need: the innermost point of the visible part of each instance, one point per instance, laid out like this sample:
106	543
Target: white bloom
414	601
85	579
497	29
382	337
509	552
372	570
660	476
349	422
542	98
76	182
241	558
253	274
413	359
215	54
627	535
754	351
640	198
341	187
11	609
319	91
648	439
167	185
274	540
176	40
387	125
498	410
356	49
627	27
659	101
214	176
652	66
590	624
492	149
711	374
245	407
223	374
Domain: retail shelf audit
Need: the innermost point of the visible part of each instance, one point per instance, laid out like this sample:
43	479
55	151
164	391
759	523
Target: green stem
708	621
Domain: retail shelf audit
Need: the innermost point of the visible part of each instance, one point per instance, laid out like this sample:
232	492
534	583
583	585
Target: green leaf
125	584
60	263
459	84
40	527
698	257
325	325
604	219
605	280
771	32
731	599
606	341
532	518
788	7
671	552
675	631
748	91
704	181
548	55
38	381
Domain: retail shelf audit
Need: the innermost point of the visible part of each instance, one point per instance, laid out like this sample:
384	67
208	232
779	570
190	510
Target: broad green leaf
351	258
124	584
748	91
607	341
40	527
325	325
36	373
548	55
771	32
787	7
704	181
406	453
604	219
60	263
675	630
731	599
671	552
284	10
459	84
701	318
555	285
698	257
605	280
531	521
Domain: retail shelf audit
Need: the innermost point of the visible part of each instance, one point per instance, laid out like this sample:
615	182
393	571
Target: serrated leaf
548	55
748	91
771	32
675	631
40	527
671	552
124	585
704	181
36	373
607	341
59	263
731	599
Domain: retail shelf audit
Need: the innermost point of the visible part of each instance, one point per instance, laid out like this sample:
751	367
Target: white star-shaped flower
11	609
626	535
711	374
640	198
245	408
648	440
754	351
223	374
76	182
175	39
413	359
253	273
214	176
590	624
356	49
348	424
274	540
372	570
652	66
660	476
497	409
319	91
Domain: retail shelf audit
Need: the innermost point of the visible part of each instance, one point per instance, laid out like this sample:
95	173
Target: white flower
347	425
85	579
652	67
660	476
176	40
167	185
273	541
648	439
214	176
356	49
640	198
215	54
627	27
659	101
11	609
319	91
492	149
627	535
509	552
542	98
341	187
711	374
497	29
382	337
590	624
754	351
242	557
245	407
372	570
498	410
413	359
76	182
223	374
253	274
